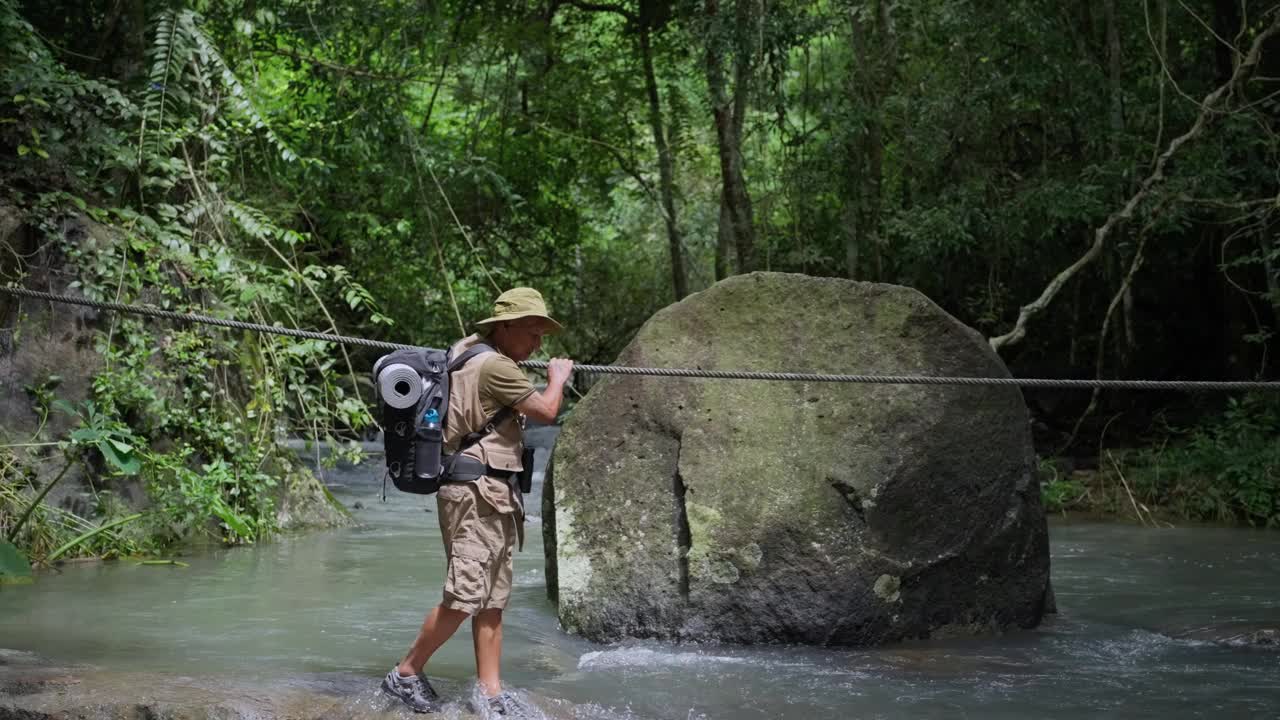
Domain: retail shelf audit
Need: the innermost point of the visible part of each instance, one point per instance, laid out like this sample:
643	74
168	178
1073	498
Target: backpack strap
470	439
474	350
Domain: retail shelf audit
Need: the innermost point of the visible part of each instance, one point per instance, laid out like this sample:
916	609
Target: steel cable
1179	385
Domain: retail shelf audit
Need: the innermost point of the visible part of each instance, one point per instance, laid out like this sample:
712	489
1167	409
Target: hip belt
463	468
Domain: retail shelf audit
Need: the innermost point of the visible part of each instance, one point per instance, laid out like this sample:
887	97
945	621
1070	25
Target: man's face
518	339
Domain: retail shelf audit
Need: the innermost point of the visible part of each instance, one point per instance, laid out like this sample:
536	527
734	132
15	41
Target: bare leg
439	626
486	632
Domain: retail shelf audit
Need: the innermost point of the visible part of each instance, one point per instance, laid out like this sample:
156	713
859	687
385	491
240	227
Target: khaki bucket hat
519	303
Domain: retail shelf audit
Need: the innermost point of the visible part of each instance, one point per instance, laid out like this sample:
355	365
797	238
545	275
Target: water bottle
430	438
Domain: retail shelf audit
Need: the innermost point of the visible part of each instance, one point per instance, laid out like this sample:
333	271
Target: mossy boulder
823	513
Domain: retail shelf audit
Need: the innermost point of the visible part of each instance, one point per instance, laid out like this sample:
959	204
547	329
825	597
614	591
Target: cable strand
1178	385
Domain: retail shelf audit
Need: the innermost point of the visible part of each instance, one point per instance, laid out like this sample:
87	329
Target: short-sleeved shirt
502	384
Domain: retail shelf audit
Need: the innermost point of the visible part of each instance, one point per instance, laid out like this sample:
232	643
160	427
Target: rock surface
1233	634
823	513
50	348
46	349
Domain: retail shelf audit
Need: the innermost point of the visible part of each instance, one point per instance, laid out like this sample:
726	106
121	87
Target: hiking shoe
507	705
415	691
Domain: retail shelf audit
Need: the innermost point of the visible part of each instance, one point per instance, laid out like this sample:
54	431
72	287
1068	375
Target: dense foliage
383	169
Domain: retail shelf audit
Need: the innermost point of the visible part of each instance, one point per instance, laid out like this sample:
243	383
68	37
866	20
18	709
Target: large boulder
824	513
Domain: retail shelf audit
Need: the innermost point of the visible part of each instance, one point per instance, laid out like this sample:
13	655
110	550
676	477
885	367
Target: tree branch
1134	266
602	7
408	76
626	165
1207	110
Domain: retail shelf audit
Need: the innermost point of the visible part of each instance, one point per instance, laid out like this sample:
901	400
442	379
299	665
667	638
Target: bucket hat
519	303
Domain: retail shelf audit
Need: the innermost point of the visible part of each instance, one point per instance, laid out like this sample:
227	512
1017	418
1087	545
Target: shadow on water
330	612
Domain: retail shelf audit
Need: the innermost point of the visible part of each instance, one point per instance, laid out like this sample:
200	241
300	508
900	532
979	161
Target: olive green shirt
502	384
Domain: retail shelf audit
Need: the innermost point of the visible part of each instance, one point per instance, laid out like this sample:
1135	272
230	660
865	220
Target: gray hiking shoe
415	691
505	704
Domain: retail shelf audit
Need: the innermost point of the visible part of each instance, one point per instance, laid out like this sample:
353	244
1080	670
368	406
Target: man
481	520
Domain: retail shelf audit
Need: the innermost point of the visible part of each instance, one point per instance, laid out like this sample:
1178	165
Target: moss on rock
773	511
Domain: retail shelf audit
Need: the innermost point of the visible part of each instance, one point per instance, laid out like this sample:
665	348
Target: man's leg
439	626
486	632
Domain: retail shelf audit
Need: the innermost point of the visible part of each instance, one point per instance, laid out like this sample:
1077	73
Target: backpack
413	396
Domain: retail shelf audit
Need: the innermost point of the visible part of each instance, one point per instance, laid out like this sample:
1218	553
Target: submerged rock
824	513
33	689
1234	634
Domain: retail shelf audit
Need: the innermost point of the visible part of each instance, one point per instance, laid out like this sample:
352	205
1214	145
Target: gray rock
823	513
304	503
1242	634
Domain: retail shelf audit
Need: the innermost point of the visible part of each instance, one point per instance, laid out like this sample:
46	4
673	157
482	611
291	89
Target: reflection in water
1130	641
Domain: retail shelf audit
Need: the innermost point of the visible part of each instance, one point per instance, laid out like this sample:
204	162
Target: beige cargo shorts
479	542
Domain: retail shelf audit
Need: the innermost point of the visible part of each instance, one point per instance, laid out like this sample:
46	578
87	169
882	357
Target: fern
168	58
253	222
184	56
240	96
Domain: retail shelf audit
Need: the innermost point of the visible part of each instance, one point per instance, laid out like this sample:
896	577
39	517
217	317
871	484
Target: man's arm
544	406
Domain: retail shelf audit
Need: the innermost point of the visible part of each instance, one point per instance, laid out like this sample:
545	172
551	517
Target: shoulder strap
467	354
498	418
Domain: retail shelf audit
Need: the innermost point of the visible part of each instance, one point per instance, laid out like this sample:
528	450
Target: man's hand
559	371
544	406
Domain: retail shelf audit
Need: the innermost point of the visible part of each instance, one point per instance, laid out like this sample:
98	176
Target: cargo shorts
479	542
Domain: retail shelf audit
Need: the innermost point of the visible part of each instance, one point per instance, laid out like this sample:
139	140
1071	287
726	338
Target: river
349	601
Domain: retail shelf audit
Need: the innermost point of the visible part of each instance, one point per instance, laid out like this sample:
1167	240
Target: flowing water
349	601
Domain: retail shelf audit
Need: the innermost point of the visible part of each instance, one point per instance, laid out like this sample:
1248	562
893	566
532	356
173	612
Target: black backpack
413	395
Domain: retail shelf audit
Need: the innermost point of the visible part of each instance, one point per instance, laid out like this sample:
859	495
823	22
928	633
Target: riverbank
1224	470
1158	487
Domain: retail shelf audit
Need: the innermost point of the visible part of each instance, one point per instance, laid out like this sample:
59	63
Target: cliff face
50	357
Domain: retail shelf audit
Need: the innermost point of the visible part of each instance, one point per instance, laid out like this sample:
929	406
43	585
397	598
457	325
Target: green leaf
14	567
64	406
175	563
86	536
86	435
23	150
125	461
233	521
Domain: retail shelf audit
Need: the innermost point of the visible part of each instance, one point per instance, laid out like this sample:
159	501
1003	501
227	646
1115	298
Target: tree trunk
724	241
124	42
874	63
1271	268
1124	338
874	180
852	234
1116	115
666	171
729	116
